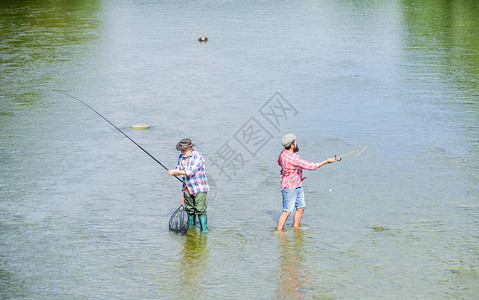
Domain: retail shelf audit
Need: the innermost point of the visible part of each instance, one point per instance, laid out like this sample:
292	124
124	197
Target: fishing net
179	222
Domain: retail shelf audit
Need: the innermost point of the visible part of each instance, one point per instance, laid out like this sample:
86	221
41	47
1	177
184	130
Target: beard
296	148
186	155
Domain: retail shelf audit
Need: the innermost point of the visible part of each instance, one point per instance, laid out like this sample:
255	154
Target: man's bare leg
298	215
282	219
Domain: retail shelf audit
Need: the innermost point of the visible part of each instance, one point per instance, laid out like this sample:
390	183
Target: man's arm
327	161
176	172
195	166
304	164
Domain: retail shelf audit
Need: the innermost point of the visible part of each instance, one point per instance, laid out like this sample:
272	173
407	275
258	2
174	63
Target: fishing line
116	129
361	151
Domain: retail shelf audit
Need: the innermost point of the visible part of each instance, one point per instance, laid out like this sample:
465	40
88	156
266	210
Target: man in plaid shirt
292	175
195	184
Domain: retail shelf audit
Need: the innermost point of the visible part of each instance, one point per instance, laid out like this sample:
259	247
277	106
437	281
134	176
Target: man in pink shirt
292	170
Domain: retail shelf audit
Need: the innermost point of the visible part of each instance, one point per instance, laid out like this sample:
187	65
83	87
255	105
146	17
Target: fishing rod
116	129
362	149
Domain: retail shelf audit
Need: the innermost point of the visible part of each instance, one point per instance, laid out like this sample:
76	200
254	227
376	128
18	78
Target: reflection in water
446	34
38	37
293	277
194	260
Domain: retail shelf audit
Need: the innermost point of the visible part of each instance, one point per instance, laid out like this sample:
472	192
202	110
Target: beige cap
288	139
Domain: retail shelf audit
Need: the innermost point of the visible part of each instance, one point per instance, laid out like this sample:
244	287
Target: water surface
84	212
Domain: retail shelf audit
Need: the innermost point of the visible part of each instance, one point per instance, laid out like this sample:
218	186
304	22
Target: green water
84	213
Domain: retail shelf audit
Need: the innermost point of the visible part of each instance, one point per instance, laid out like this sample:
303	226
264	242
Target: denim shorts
293	198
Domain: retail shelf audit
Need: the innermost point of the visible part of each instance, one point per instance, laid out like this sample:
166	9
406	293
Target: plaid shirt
292	169
195	178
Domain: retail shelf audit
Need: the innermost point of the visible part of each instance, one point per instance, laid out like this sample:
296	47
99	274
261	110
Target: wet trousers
195	204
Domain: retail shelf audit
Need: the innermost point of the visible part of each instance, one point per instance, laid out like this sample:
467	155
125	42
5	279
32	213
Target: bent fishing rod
341	157
116	129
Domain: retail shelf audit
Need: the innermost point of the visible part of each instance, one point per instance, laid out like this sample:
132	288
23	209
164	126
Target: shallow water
84	212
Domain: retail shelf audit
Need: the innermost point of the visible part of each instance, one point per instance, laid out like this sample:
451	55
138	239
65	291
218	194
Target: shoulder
288	154
196	155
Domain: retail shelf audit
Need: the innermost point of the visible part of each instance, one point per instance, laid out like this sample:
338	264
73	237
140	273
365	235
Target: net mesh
179	222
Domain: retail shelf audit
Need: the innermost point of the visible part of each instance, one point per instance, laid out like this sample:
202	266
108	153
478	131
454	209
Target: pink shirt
292	169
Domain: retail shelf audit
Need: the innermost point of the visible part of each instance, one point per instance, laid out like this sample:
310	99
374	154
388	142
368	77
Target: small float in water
140	126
